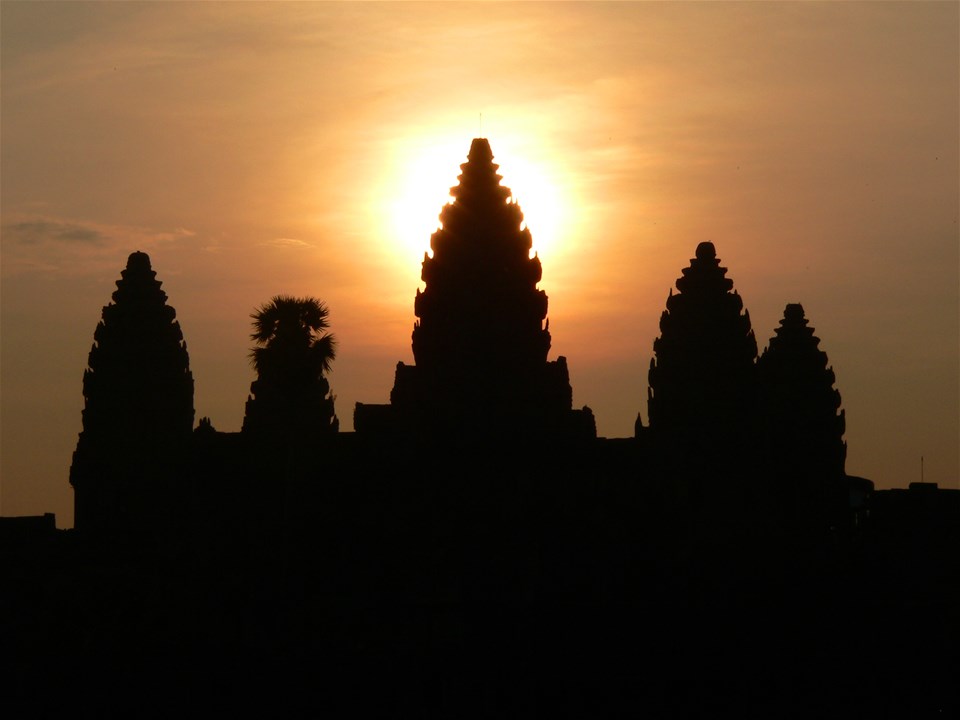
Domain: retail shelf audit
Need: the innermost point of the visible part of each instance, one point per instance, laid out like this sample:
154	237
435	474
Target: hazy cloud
45	230
50	244
34	232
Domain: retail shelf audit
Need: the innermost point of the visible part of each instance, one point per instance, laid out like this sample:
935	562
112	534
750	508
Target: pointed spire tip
480	150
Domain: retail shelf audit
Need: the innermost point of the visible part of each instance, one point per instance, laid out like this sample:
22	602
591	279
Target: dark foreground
516	598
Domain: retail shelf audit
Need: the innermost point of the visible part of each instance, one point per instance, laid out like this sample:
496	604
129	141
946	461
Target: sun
424	171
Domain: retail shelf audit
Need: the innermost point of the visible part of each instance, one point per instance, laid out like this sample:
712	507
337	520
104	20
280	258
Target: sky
307	148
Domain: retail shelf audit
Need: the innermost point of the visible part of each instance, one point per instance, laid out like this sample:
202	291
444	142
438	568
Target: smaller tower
702	377
138	406
803	425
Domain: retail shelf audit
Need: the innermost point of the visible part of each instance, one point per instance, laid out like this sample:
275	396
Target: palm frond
323	352
314	313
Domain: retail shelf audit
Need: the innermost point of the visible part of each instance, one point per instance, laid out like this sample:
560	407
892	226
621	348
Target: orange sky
261	148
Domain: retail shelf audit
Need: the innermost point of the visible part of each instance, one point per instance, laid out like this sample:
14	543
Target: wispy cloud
50	244
283	242
34	232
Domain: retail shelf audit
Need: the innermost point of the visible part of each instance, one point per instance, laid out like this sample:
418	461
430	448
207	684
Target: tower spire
138	404
480	342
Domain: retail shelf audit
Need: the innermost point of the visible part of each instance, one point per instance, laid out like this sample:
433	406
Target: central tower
481	313
481	337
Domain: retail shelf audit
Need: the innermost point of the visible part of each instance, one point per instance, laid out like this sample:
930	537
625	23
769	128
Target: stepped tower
481	339
138	400
803	424
702	383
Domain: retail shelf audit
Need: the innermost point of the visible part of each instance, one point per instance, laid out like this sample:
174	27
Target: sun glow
425	170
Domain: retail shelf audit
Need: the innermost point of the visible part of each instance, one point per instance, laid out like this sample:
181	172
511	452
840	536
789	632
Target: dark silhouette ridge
802	423
693	570
290	400
138	404
480	342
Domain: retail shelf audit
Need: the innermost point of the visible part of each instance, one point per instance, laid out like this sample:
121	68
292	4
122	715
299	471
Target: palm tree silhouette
293	352
293	346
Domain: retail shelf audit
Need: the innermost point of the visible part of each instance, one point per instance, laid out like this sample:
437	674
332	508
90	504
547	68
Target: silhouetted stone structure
505	577
27	530
480	345
138	411
802	423
702	392
290	401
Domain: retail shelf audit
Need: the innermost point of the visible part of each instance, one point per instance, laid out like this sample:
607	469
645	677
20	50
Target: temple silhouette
731	435
478	516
